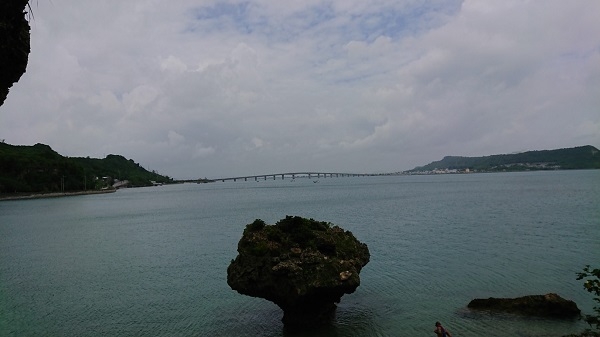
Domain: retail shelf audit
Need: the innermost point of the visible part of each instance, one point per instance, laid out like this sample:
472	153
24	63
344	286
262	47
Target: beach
21	196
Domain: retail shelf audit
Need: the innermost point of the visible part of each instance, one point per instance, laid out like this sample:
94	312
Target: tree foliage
38	168
592	285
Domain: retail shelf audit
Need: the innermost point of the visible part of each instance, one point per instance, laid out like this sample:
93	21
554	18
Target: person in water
441	331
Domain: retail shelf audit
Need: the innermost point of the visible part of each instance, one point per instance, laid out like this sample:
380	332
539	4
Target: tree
592	285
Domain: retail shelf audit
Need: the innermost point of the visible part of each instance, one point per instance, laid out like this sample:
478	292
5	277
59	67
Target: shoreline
53	194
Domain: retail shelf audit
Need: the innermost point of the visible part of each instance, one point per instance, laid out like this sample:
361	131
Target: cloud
173	64
175	138
201	151
194	89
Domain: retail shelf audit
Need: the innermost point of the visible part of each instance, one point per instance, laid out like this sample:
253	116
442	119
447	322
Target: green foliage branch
591	284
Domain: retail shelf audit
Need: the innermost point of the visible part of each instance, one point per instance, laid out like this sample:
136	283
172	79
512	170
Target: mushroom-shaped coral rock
302	265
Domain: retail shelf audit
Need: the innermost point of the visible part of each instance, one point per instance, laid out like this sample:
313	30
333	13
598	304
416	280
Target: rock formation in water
14	44
549	305
302	265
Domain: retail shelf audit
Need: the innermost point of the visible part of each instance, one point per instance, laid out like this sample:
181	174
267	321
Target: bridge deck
293	175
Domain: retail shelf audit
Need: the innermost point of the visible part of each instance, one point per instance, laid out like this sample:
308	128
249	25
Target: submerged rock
549	305
302	265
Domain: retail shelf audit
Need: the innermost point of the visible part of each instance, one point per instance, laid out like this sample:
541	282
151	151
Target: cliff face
14	44
302	265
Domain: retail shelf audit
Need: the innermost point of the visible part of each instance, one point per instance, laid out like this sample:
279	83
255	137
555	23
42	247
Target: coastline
53	194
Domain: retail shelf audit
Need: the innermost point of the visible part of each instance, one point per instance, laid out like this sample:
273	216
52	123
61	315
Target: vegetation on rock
302	265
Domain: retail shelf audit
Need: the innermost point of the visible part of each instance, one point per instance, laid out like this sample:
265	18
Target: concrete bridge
293	175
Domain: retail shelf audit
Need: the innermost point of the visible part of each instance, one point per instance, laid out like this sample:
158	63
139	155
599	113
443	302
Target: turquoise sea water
152	261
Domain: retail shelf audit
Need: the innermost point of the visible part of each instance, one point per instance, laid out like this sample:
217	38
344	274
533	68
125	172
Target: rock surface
14	43
549	305
302	265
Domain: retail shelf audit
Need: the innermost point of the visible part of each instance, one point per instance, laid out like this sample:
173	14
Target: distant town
577	158
500	168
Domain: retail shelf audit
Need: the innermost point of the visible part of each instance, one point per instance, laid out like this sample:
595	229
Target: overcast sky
194	88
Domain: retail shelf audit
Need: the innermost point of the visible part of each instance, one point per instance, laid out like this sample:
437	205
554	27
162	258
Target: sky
201	88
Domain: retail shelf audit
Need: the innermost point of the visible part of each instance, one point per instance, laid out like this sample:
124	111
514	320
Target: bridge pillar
309	176
265	177
245	179
293	176
282	177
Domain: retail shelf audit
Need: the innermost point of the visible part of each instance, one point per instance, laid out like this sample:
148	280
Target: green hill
582	157
38	168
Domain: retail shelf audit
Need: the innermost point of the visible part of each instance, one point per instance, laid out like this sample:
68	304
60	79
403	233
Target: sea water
152	261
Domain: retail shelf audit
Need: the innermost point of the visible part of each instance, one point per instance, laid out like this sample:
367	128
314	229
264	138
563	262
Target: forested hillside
582	157
38	168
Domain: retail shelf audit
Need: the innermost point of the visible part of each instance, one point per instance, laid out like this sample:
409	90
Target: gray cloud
210	88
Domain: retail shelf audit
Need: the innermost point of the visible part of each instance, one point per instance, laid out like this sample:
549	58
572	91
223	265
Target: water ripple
152	262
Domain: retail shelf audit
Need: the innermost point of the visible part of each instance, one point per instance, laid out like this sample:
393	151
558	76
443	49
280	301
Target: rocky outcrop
549	305
14	44
302	265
